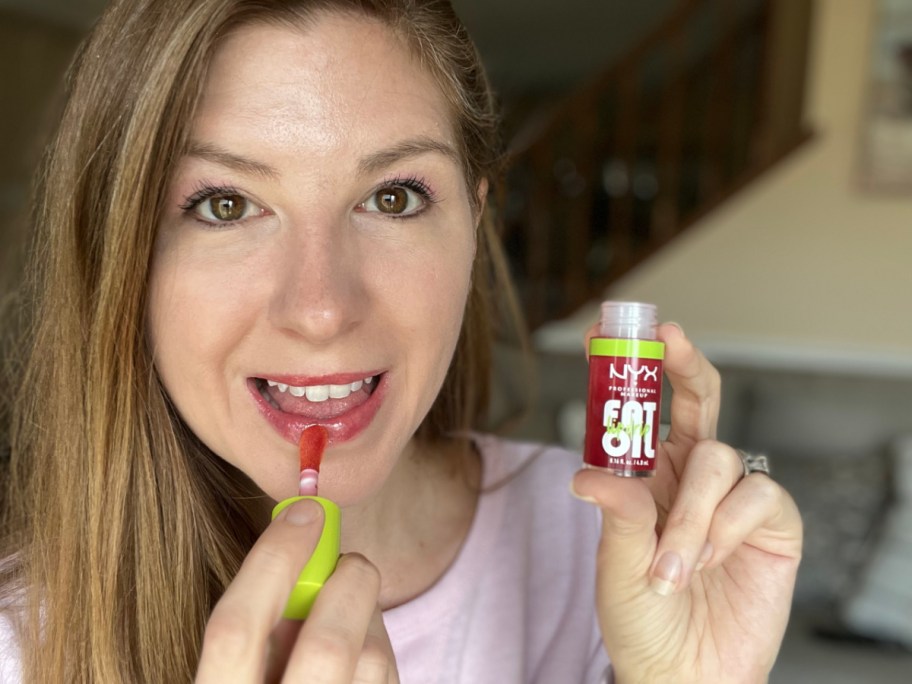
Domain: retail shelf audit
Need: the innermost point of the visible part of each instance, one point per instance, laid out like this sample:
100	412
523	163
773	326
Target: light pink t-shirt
9	653
518	604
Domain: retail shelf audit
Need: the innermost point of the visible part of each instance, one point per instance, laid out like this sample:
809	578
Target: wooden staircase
697	110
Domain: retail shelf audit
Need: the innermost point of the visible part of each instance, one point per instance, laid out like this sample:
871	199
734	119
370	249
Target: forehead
335	82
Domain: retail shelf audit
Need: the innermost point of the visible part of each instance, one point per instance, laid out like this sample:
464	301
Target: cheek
194	313
173	335
427	287
439	311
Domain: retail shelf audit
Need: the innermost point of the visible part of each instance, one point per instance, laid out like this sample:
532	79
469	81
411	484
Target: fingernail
666	574
676	325
581	497
302	513
705	555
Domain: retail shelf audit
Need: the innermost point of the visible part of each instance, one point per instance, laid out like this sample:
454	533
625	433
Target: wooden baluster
716	133
783	85
539	218
743	116
579	204
665	213
624	147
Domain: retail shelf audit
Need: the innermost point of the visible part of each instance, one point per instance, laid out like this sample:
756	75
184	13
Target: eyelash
206	192
413	183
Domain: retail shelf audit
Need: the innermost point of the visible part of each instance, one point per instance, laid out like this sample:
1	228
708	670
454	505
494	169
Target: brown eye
228	207
222	207
392	200
397	200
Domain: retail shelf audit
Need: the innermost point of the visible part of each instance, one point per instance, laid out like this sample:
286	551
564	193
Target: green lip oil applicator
326	554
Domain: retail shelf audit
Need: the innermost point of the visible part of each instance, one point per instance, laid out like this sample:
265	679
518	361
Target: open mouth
317	402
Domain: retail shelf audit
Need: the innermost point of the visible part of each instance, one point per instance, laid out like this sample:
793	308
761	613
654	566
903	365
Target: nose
320	293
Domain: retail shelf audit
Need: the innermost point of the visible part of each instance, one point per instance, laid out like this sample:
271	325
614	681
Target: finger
712	470
331	640
760	512
377	664
696	388
284	637
628	537
591	332
236	640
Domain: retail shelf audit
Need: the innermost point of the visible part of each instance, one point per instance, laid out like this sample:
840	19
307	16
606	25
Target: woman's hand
343	640
696	566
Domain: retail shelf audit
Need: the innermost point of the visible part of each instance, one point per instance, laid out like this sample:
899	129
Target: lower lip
341	428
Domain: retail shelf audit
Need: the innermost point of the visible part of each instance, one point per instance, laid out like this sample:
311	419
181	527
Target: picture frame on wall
885	160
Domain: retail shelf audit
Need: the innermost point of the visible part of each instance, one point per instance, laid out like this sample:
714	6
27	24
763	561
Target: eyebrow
369	164
230	160
405	150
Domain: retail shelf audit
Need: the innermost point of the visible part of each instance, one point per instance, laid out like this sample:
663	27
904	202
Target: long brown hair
125	529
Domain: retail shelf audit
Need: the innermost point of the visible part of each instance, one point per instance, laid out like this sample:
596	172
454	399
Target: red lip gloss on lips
625	391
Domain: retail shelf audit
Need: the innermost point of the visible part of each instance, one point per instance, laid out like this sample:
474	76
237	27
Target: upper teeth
321	392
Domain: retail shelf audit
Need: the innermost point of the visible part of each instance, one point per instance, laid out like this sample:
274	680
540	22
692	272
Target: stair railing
696	110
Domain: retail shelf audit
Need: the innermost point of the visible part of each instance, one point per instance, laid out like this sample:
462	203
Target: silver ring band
753	463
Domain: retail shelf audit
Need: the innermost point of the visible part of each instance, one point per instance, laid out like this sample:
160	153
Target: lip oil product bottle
625	391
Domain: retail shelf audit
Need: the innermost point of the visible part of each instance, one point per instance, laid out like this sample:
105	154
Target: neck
413	529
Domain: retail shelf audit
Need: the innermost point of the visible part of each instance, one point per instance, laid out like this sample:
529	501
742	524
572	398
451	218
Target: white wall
804	268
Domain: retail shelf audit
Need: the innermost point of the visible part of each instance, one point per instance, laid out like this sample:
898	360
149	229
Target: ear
481	192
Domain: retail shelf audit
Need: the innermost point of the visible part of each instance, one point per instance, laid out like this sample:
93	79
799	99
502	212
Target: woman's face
314	258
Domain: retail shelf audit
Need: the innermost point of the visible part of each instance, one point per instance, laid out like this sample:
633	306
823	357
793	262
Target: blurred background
746	165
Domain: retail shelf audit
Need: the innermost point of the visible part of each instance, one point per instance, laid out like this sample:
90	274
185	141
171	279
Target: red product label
625	396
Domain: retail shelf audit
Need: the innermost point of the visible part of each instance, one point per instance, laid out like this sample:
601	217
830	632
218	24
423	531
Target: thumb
628	540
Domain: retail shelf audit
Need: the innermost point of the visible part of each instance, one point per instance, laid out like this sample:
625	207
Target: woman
259	215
